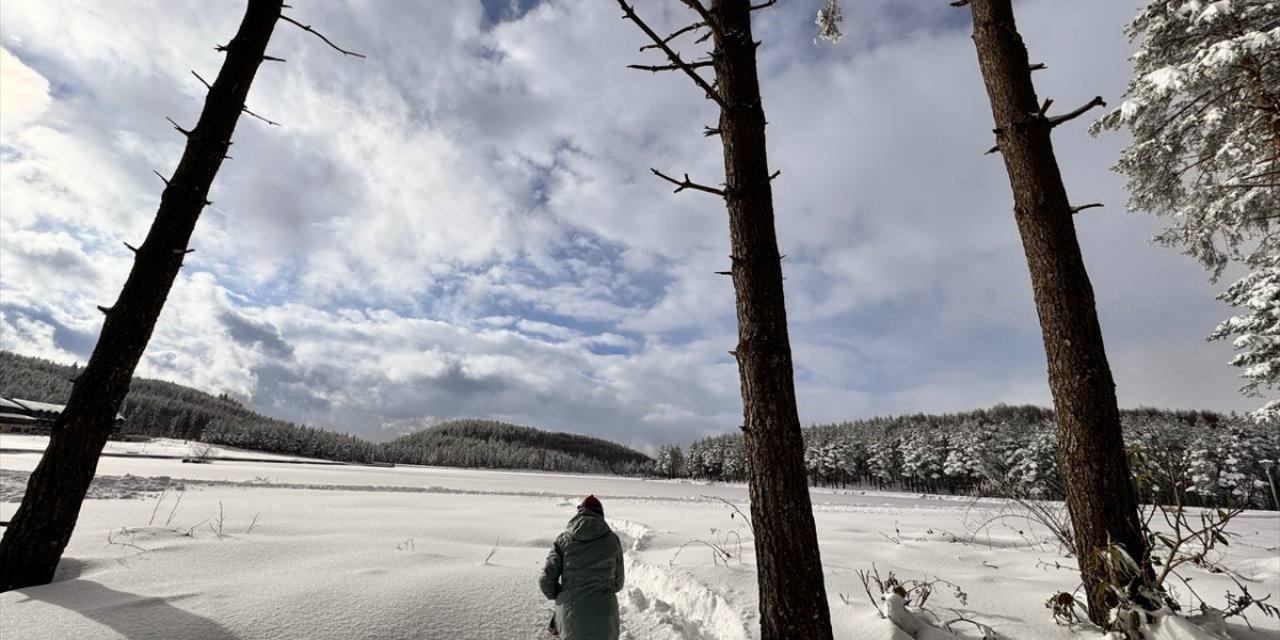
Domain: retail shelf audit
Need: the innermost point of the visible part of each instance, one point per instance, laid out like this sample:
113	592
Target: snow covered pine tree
1204	111
1259	333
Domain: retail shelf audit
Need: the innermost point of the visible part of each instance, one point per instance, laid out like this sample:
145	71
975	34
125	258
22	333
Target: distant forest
164	409
1209	458
1196	457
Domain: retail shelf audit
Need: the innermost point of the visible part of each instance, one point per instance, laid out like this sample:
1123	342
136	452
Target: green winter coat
582	574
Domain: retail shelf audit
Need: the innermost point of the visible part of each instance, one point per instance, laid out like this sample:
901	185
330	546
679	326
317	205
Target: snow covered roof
31	407
37	407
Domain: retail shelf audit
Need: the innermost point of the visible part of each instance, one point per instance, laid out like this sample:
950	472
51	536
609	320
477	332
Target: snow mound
1266	570
635	535
684	604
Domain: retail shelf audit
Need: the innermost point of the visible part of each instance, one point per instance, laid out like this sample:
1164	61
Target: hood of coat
586	527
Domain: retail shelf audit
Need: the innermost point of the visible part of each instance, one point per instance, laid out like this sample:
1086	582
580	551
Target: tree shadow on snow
129	614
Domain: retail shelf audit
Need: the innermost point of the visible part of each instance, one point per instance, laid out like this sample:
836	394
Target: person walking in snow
583	574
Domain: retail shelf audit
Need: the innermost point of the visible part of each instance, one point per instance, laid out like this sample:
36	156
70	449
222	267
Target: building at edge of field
29	416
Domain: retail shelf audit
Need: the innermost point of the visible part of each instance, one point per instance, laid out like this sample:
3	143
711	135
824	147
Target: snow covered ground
261	550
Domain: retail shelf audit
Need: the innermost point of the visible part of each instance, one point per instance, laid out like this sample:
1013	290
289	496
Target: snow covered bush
904	603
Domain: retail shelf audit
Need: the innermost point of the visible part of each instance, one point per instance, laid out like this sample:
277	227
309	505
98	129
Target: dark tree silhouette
1091	456
793	600
42	527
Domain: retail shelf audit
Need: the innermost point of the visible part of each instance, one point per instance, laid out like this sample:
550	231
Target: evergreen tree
1258	333
1204	112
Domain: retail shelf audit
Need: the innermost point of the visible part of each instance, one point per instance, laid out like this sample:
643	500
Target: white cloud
24	93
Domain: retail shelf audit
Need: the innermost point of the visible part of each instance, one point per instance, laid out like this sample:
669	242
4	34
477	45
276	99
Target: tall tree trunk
793	597
1100	495
42	526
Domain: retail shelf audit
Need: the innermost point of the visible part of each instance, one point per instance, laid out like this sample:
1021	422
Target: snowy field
258	550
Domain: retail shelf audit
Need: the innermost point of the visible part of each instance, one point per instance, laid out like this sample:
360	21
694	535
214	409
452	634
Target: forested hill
165	409
1209	458
485	443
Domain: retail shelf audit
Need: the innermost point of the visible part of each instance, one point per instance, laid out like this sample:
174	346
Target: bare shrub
727	543
1181	537
217	525
898	597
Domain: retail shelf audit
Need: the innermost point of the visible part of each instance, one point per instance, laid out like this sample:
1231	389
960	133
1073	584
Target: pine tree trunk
1268	105
793	599
42	527
1091	457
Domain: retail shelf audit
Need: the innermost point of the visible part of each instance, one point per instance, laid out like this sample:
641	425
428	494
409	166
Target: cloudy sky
464	224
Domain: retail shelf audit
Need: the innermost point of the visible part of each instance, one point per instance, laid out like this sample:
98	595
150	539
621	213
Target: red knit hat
592	504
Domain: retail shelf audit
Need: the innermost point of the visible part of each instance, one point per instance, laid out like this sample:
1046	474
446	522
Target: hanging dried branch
185	132
202	80
1097	101
681	185
702	12
250	113
670	67
307	28
245	109
628	13
676	34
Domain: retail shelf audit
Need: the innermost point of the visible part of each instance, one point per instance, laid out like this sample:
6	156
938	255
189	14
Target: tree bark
1266	103
793	598
42	527
1091	456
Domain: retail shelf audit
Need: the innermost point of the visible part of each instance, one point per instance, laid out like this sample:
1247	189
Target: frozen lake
366	552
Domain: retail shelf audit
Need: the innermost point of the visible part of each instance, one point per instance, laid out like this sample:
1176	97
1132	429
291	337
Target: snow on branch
829	18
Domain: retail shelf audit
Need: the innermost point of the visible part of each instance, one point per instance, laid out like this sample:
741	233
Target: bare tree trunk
793	597
1091	456
42	527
